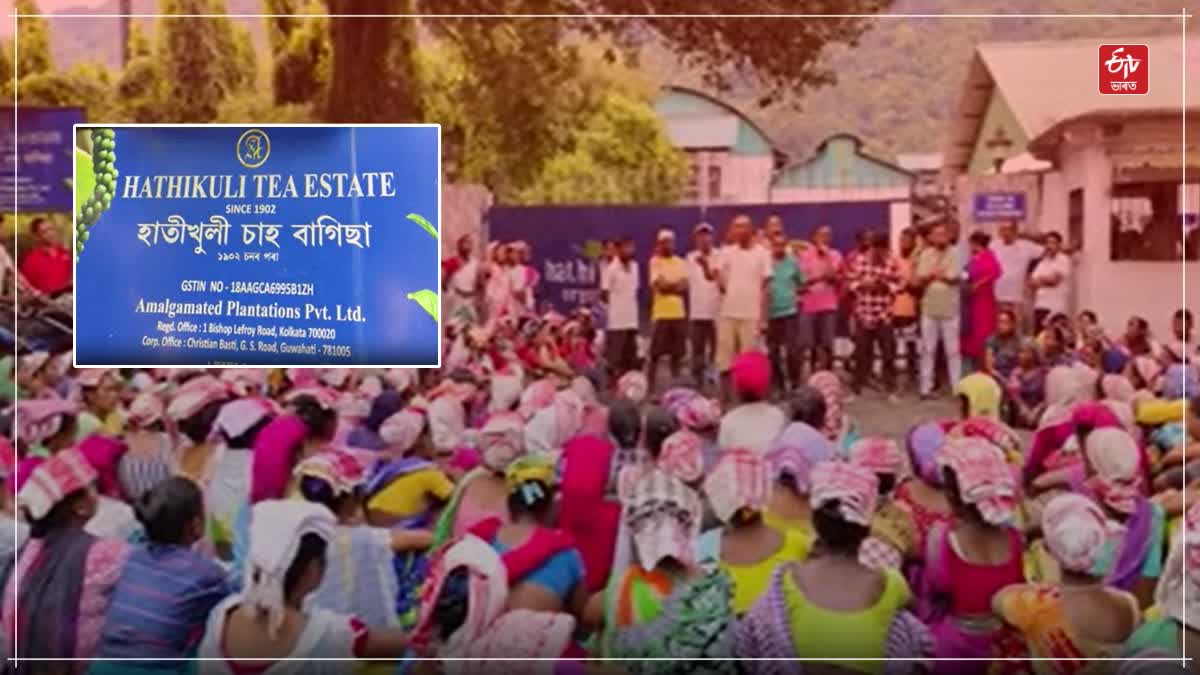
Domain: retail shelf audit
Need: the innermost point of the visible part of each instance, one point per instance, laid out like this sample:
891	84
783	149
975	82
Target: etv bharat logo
253	148
1124	69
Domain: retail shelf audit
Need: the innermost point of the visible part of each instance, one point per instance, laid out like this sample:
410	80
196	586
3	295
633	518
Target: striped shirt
161	604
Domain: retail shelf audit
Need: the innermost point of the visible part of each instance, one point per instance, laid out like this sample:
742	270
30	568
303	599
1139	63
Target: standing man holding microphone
744	271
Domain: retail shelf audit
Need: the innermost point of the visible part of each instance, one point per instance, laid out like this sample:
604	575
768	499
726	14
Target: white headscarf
276	527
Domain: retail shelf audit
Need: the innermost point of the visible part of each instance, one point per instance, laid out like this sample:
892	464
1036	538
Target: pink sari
982	273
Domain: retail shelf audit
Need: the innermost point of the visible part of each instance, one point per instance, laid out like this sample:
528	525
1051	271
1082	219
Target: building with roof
1103	169
733	161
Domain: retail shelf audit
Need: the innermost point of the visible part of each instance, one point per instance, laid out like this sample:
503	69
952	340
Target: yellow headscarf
983	395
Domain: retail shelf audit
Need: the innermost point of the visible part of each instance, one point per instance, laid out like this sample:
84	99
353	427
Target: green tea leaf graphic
425	224
428	300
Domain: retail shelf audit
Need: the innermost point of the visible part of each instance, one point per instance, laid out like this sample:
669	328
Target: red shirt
48	269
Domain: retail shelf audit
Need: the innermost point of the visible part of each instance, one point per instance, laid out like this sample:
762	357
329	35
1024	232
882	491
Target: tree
88	85
300	49
204	60
33	40
376	49
781	55
139	42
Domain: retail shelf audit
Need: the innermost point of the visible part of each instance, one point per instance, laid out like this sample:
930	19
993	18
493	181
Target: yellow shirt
667	305
804	527
410	495
1156	412
819	633
750	582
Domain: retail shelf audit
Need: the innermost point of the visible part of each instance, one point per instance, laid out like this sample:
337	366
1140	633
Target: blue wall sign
43	145
988	206
270	246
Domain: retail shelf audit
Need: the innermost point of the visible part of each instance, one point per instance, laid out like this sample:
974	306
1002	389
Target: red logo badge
1124	69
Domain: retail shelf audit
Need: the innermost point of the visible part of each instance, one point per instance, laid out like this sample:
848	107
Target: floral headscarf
1075	531
984	478
663	516
502	440
633	386
1116	461
854	488
681	456
796	451
993	431
738	481
343	473
699	413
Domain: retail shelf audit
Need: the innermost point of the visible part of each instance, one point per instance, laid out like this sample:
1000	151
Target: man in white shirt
744	270
1051	282
620	292
1015	254
704	299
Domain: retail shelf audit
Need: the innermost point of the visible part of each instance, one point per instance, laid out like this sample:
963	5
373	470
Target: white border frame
1183	16
75	233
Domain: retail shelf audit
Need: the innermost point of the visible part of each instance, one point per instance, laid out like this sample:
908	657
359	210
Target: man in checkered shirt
874	279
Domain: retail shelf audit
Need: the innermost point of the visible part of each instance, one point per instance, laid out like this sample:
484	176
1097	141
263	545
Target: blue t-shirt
161	603
786	279
559	574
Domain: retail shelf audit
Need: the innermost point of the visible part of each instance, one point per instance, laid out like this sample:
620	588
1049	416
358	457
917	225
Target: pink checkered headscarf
984	478
880	455
830	387
681	456
54	479
738	481
854	488
1116	461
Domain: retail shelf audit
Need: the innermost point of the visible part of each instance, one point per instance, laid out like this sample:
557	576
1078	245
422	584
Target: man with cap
668	282
704	299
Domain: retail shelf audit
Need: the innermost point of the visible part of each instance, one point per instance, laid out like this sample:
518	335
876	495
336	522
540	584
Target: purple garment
1127	570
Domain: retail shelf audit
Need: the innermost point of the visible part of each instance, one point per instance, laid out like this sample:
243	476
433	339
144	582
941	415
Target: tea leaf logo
424	224
428	300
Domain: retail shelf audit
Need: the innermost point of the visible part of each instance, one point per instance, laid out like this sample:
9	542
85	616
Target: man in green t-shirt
782	292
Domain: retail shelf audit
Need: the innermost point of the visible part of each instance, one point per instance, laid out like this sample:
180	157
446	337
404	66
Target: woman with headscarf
1177	598
755	421
1071	416
790	459
194	409
359	575
166	590
1079	617
747	548
150	458
1131	561
545	571
467	619
554	425
45	427
101	392
980	395
409	490
366	434
702	417
114	517
967	563
837	427
589	509
236	428
665	609
483	493
831	606
67	575
448	409
923	492
892	530
267	629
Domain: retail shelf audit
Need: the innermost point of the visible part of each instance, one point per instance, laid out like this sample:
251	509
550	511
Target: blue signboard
270	246
989	206
566	241
41	148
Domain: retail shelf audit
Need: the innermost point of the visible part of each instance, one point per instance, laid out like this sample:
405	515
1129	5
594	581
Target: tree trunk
372	78
125	8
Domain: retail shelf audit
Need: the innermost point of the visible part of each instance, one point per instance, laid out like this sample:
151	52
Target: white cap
665	234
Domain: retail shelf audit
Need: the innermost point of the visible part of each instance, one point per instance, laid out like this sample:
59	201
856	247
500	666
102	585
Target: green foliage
88	85
428	300
141	91
33	41
204	60
425	224
259	107
6	67
139	41
372	78
301	51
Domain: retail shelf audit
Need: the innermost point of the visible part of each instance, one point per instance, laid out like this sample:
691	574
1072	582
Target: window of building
714	181
692	192
1148	223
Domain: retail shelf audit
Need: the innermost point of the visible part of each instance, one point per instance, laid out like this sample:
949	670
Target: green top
786	280
819	633
940	300
1159	634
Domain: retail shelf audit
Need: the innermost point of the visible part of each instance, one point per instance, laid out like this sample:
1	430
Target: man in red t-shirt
47	266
